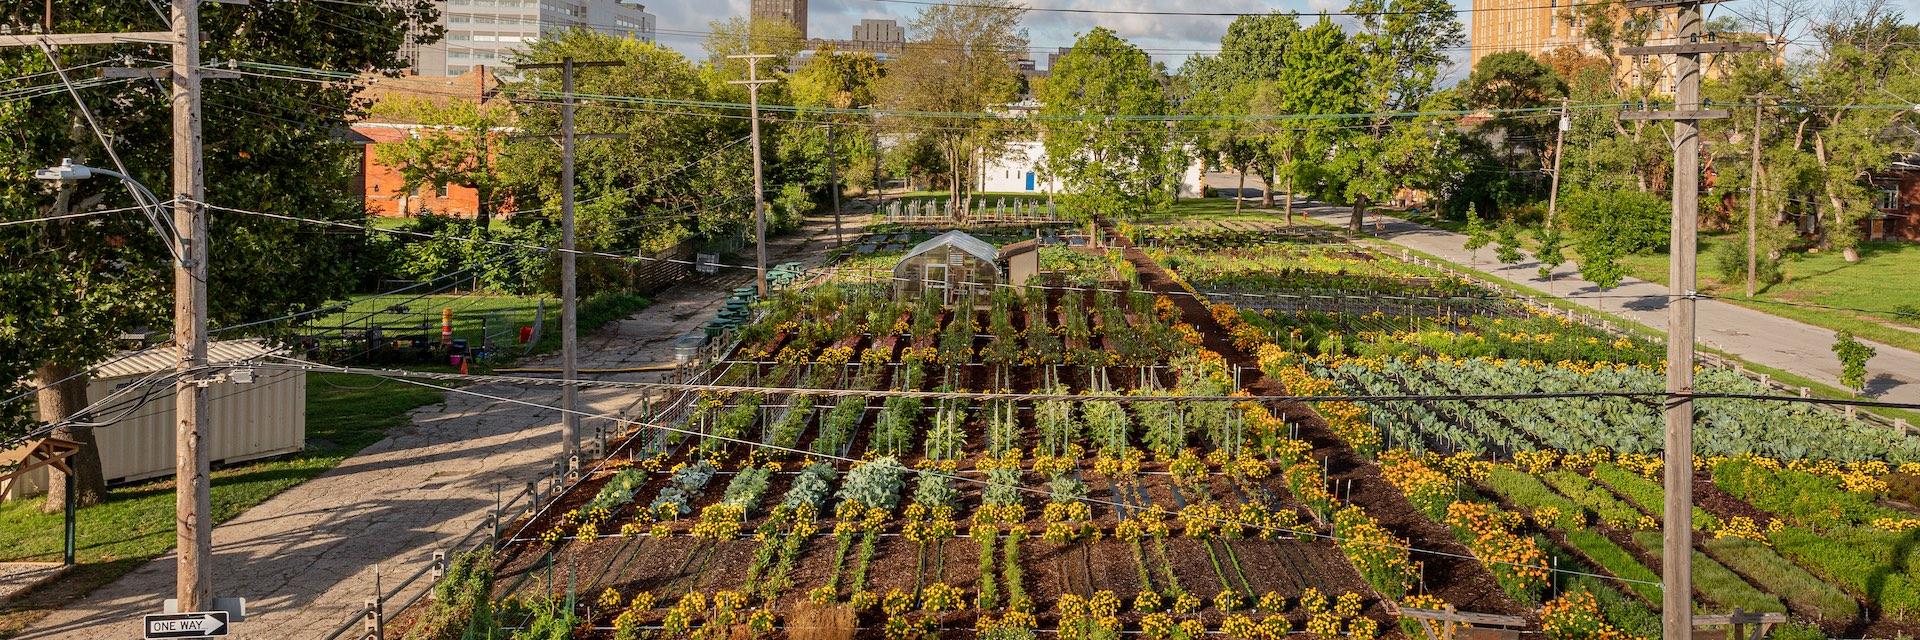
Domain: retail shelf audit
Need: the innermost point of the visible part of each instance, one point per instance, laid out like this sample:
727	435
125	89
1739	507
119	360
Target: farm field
795	501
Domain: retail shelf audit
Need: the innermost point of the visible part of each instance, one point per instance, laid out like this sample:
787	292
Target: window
1887	199
441	191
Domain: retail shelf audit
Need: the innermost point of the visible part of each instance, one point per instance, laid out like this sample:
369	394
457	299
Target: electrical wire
1048	493
83	214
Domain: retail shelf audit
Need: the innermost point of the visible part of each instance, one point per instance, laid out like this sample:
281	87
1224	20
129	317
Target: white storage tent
259	419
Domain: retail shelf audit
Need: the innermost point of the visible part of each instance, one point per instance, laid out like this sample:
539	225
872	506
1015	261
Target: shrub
1635	221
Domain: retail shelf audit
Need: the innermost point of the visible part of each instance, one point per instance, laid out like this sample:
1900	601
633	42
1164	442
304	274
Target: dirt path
1449	570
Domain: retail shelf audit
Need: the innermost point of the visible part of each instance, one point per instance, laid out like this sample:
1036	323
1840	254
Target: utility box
247	421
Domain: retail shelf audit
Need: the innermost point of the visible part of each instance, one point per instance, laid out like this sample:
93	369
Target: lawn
344	415
1886	277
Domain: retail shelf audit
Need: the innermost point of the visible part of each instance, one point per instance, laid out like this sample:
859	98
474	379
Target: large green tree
68	287
1515	87
1402	44
952	75
669	174
1115	160
1318	79
1225	85
829	92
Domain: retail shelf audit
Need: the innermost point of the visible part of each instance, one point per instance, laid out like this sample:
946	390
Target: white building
488	32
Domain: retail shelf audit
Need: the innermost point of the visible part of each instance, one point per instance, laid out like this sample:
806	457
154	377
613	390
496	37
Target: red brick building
1896	199
381	186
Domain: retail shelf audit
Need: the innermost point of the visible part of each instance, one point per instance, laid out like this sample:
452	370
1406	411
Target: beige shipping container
259	419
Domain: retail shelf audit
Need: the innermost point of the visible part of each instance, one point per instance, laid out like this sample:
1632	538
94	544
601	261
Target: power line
69	216
1022	488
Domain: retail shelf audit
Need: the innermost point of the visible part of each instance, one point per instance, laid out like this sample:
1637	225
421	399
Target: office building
489	32
793	12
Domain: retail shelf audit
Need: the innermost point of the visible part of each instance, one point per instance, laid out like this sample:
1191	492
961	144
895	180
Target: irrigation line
1045	493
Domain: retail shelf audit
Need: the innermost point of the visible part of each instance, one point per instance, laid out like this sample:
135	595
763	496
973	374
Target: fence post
439	565
376	627
1806	392
1852	412
533	491
1900	424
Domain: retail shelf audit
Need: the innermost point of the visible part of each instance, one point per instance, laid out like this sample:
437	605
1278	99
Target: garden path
306	559
1758	337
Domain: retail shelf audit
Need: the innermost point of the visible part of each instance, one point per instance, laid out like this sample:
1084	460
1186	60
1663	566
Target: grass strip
1526	491
1777	575
1617	561
1596	499
1646	495
1718	583
1843	564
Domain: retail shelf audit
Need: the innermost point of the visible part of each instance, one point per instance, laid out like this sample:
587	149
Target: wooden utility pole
1753	202
193	531
753	83
1676	556
833	182
1559	147
569	318
193	526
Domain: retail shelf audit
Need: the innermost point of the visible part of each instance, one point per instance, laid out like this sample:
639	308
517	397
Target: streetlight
67	173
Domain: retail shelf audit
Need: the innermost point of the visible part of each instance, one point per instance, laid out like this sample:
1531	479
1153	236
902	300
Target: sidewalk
305	559
1757	337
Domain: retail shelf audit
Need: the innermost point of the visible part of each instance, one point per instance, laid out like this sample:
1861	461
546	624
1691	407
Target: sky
1168	39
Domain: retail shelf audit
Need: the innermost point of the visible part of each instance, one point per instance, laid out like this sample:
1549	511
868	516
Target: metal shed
259	419
952	263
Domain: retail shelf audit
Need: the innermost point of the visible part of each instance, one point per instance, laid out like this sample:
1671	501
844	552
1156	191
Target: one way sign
200	624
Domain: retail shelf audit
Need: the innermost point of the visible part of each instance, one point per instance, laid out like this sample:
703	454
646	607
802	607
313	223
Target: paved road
1758	337
306	558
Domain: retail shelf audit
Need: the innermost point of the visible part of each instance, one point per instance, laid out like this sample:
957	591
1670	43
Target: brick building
381	186
792	12
1896	197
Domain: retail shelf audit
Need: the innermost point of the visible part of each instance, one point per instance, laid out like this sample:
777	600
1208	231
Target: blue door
1029	180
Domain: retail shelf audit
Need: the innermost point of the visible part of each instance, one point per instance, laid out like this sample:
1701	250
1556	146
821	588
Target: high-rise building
488	32
1517	25
882	38
793	12
1537	29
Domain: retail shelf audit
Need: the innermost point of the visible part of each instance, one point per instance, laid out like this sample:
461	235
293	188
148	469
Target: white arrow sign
198	624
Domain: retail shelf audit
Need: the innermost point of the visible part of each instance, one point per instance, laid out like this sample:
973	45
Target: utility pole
193	529
193	525
880	195
1676	555
1753	201
569	318
753	83
1559	147
833	180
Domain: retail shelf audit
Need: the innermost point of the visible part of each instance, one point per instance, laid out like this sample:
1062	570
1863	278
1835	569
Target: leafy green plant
811	487
1853	355
875	484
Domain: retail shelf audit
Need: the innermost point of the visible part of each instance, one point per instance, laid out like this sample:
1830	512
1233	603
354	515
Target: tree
1252	54
1114	162
457	145
68	288
1402	45
660	183
1600	261
1477	235
1551	253
1507	244
1319	76
1853	355
955	74
826	90
1509	81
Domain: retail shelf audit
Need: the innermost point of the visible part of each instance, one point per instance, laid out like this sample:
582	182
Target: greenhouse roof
958	240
